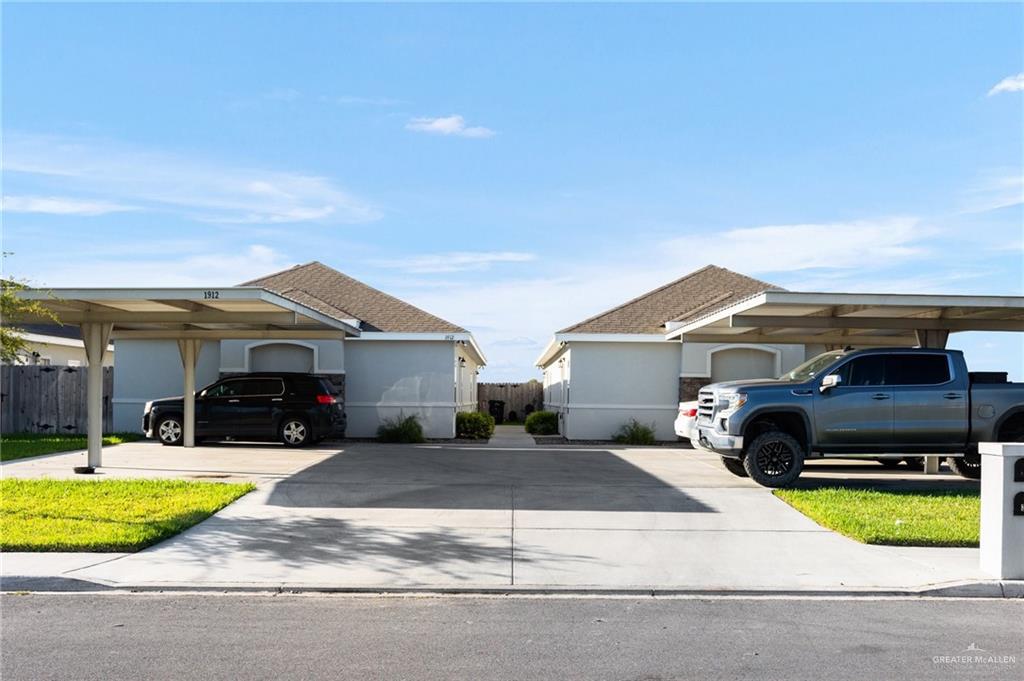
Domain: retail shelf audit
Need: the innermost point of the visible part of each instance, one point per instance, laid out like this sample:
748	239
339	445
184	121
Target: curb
1010	589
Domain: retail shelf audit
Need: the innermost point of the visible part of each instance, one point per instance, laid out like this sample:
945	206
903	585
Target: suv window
254	387
924	369
225	389
867	370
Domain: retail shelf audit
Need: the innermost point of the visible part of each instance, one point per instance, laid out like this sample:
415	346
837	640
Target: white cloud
836	245
448	125
209	268
203	190
1008	84
60	205
994	193
453	262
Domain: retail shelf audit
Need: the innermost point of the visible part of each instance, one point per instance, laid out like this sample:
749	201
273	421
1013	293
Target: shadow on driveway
334	550
408	477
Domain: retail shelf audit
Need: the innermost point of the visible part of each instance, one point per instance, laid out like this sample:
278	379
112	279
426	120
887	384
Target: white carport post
189	350
95	336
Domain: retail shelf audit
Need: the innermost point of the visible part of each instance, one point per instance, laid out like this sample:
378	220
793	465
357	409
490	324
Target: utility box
1002	509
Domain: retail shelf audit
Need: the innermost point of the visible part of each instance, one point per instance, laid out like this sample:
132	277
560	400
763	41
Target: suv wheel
295	432
774	459
170	430
734	466
966	466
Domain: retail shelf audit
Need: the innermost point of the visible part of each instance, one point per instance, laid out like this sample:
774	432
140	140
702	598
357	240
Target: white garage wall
697	357
386	379
615	382
237	355
150	369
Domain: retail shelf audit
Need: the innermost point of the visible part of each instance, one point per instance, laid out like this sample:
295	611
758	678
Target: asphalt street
232	636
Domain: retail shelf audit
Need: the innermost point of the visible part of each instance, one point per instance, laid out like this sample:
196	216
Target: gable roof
327	290
697	293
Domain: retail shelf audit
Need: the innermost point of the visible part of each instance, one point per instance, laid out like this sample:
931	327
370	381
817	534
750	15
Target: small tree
12	310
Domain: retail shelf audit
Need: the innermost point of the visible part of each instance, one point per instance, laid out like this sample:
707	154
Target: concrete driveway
505	516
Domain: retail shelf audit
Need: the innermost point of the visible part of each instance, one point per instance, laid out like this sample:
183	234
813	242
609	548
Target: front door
930	406
856	416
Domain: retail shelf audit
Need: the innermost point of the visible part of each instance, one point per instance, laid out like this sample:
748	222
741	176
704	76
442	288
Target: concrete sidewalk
488	517
515	437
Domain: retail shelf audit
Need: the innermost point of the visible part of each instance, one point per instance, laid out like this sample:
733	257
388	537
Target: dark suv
297	409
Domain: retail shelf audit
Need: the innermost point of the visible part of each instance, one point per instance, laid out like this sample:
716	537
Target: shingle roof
698	293
328	290
57	330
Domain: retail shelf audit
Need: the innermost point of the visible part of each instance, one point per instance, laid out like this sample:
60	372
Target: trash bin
496	408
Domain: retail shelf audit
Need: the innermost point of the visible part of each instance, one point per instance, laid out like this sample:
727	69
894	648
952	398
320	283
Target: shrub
635	433
400	429
542	423
474	425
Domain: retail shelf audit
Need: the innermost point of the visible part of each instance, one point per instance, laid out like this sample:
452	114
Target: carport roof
226	312
858	319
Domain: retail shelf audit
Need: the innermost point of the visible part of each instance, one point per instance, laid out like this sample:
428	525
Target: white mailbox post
1002	509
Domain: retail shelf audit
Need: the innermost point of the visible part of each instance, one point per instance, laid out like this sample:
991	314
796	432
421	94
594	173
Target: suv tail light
325	399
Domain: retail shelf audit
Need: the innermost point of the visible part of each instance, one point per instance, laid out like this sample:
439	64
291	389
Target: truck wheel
966	466
734	466
774	459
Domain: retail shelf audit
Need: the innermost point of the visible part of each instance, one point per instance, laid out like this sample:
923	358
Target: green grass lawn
104	515
935	518
20	445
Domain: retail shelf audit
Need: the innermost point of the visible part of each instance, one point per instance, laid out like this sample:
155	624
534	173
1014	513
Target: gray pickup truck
887	404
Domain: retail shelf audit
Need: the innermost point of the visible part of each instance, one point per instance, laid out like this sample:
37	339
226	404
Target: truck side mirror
830	381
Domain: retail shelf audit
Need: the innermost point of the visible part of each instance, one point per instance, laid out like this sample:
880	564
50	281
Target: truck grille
705	406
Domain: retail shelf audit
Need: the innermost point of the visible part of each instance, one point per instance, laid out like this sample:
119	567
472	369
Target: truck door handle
880	396
802	392
277	399
952	396
230	401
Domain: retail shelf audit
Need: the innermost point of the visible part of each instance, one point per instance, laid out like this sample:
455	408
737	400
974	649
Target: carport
838	320
188	316
855	319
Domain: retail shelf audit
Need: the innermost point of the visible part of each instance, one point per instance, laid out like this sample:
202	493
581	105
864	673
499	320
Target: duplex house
405	360
617	365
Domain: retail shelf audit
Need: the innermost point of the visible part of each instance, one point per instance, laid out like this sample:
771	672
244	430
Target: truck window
923	369
867	370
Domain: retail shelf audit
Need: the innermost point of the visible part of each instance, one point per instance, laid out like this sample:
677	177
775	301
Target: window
915	369
867	370
226	389
262	386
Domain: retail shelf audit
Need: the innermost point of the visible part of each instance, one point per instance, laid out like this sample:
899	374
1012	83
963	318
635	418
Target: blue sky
518	168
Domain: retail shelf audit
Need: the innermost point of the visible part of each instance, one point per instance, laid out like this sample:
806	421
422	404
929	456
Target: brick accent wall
689	387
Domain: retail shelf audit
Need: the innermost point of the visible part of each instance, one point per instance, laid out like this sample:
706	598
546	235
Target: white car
686	421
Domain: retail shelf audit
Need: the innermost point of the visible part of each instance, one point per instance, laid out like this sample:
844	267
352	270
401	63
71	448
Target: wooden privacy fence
49	399
515	396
